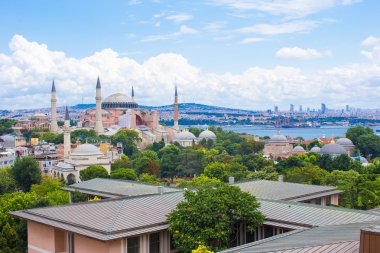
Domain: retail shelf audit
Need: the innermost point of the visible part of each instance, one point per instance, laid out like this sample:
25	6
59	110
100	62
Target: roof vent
280	178
231	180
370	239
161	190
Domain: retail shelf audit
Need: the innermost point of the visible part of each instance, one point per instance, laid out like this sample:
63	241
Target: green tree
126	174
150	179
237	170
7	183
169	160
192	161
52	138
369	145
211	217
354	133
249	147
121	163
146	162
6	126
341	162
93	171
306	175
128	138
199	181
216	170
26	172
83	135
341	178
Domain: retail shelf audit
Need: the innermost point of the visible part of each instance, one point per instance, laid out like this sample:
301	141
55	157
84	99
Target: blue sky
249	54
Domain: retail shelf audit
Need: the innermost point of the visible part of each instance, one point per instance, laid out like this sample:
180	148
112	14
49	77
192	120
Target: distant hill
186	107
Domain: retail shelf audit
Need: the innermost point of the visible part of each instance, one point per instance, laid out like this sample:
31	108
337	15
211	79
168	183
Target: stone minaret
133	94
98	124
176	109
53	122
66	135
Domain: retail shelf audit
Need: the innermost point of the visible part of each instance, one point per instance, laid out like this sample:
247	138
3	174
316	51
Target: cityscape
189	126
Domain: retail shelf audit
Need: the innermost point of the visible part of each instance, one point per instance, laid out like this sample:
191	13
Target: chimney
280	178
231	180
160	190
370	240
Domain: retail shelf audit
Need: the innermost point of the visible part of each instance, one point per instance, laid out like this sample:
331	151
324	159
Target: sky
249	54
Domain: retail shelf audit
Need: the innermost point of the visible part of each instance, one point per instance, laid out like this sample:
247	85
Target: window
133	245
154	243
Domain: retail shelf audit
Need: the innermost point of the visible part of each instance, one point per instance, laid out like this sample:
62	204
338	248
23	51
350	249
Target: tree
83	135
150	179
7	183
369	145
211	216
216	170
192	161
341	162
93	171
128	138
306	175
52	138
341	178
6	126
237	170
146	162
121	163
26	172
354	133
169	160
249	147
126	174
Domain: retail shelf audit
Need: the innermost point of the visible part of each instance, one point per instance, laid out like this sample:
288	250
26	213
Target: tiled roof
116	188
115	218
266	189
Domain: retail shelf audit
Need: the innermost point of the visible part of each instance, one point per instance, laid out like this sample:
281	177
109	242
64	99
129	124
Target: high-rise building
347	108
300	108
291	108
275	109
323	108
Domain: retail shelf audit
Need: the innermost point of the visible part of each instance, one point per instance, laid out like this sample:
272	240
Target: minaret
98	124
133	94
66	135
176	109
53	122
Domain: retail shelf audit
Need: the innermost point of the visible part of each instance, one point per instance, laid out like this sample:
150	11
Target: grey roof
344	142
336	238
278	138
116	218
53	87
315	149
332	149
266	189
116	188
98	84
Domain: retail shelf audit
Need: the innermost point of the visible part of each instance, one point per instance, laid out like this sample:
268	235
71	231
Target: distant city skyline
235	53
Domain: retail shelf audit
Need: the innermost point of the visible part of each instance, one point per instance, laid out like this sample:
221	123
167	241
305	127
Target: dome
86	149
298	149
278	138
207	134
344	142
333	149
39	115
185	136
118	100
315	149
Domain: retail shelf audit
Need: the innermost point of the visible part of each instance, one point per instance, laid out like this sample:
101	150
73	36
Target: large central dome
118	100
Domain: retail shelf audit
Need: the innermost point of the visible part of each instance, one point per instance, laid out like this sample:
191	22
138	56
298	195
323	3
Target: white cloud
183	30
283	28
251	40
301	53
26	74
374	54
179	17
294	8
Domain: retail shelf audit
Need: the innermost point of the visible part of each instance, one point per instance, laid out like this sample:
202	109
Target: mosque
119	111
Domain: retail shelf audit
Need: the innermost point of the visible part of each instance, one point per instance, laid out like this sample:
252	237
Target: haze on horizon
233	53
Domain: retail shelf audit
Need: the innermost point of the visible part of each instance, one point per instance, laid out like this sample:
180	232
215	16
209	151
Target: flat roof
109	188
119	217
266	189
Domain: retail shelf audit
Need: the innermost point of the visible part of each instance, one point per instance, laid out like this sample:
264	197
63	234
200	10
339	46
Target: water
306	133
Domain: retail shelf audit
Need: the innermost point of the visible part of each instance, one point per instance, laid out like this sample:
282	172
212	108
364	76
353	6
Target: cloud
374	54
27	71
251	40
183	30
300	53
179	17
294	8
282	28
